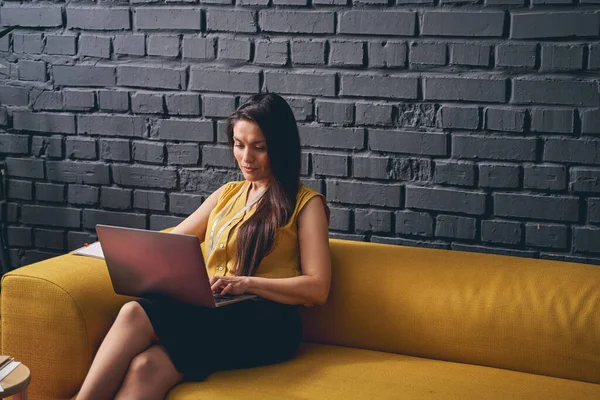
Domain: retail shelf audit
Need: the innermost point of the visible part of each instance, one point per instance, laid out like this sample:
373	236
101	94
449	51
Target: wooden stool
15	384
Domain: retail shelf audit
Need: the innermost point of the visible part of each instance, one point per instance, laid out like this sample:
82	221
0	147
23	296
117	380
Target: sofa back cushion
528	315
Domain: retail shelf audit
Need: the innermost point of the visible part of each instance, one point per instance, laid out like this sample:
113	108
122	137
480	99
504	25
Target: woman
266	235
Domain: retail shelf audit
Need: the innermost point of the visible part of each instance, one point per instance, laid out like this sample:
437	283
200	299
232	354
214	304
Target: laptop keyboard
222	297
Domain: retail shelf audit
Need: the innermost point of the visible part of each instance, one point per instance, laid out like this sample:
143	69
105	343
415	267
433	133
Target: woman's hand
229	284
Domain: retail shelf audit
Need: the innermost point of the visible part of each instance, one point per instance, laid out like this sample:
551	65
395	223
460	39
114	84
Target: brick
22	190
32	15
567	92
14	144
218	156
168	18
115	150
130	44
12	212
35	256
290	2
19	236
335	111
470	54
498	231
494	147
558	58
218	80
296	21
222	2
253	2
50	239
3	116
79	100
218	105
32	70
330	137
147	103
233	49
183	103
552	120
586	239
30	43
271	52
452	226
115	198
148	152
5	43
149	200
366	22
329	2
593	210
183	203
113	100
462	23
94	46
46	100
372	221
199	48
25	168
322	84
411	169
186	130
459	117
346	53
386	54
422	53
81	148
416	115
594	57
44	122
83	195
546	25
65	217
308	52
371	194
590	121
145	176
131	220
414	223
505	119
91	173
464	89
151	77
183	154
61	44
368	113
43	146
584	179
553	208
111	125
451	200
340	219
205	181
301	107
422	143
49	192
454	173
227	20
83	75
572	150
546	235
98	18
163	45
545	177
76	240
330	164
14	96
516	55
370	85
158	222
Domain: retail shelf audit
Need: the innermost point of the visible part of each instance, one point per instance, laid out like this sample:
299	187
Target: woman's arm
196	223
312	287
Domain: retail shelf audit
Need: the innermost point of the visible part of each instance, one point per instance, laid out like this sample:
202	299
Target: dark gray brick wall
426	123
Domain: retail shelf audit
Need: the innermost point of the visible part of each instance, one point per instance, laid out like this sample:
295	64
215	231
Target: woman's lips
249	169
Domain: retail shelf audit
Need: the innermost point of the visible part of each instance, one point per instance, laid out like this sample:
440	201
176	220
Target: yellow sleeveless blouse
284	259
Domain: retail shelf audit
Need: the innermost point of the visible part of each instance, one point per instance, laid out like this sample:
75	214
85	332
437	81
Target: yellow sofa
400	323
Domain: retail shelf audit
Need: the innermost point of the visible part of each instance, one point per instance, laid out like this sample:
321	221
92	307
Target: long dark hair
256	236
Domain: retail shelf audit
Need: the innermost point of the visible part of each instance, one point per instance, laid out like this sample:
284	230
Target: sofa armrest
55	314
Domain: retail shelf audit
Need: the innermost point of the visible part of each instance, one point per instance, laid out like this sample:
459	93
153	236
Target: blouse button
221	245
221	268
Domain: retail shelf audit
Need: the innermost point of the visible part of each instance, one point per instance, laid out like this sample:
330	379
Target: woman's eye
261	148
239	146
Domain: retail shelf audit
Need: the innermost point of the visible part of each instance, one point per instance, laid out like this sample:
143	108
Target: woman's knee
144	366
133	315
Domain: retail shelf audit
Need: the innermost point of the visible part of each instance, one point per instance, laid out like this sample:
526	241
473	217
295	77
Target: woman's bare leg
150	376
130	334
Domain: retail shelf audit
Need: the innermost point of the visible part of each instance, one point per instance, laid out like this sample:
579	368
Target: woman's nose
247	157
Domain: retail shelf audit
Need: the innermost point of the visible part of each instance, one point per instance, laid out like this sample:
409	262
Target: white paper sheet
93	250
8	369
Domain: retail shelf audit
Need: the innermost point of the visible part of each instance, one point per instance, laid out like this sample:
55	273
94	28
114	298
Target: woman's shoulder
230	188
305	194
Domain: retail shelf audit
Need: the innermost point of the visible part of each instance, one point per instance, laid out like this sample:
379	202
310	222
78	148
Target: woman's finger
218	283
227	289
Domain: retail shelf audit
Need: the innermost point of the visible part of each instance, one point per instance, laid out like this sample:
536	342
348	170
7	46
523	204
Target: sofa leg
21	396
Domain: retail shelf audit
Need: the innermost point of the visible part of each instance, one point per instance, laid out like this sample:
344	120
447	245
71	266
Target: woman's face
250	151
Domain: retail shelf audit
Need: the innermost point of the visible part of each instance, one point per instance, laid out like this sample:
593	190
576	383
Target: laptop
142	263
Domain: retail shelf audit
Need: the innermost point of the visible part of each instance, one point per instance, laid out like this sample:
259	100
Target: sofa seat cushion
333	372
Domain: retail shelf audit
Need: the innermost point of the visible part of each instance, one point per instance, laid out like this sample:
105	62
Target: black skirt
202	340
